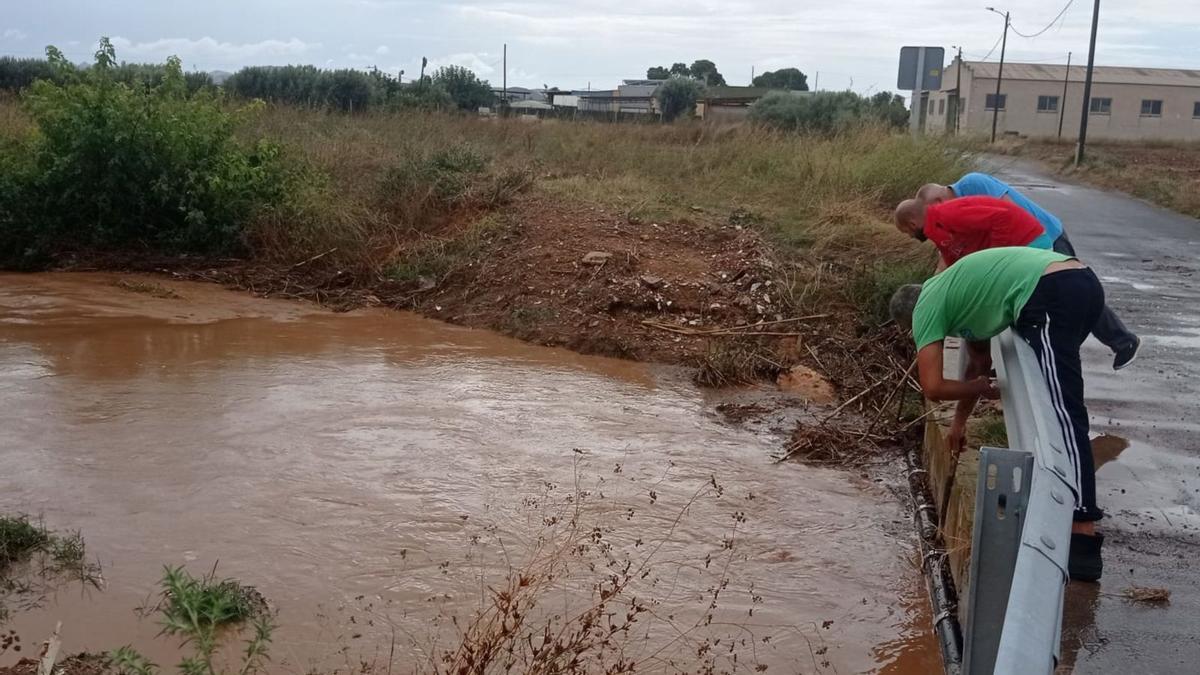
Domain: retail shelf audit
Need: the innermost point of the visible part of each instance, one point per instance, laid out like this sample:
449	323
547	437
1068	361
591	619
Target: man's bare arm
937	388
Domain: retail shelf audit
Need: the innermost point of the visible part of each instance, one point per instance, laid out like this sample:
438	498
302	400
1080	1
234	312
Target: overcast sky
571	43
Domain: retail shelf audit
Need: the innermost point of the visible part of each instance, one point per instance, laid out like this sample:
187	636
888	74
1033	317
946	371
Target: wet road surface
372	473
1149	261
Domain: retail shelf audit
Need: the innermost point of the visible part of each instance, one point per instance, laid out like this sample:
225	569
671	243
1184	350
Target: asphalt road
1149	261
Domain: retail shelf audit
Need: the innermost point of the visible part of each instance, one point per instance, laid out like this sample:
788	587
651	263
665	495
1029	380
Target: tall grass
377	186
807	190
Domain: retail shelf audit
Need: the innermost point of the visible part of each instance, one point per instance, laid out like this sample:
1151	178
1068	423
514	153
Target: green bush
677	96
420	187
421	96
114	166
828	111
872	287
345	89
18	74
468	91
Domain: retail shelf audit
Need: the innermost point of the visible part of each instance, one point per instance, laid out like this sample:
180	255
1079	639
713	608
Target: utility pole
958	92
1000	73
1087	87
817	84
504	100
751	76
1062	106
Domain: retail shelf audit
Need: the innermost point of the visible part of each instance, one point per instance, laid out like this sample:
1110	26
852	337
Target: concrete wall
1124	122
722	114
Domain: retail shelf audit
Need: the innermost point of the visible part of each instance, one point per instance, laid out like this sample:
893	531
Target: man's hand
983	387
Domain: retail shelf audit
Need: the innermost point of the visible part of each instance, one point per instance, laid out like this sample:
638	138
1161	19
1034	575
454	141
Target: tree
677	96
465	88
889	108
657	73
705	71
681	70
784	78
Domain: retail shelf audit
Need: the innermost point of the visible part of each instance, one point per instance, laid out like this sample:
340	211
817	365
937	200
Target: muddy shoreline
708	293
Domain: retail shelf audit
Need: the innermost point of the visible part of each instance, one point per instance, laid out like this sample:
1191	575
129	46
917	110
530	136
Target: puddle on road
372	473
1107	448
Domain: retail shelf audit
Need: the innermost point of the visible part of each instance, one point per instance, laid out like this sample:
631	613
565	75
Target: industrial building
1035	98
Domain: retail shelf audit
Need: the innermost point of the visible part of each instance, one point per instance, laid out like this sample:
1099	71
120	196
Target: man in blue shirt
1109	330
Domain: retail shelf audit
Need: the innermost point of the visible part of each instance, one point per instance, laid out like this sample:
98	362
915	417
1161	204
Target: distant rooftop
1171	77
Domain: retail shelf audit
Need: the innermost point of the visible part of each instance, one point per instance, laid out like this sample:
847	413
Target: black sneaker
1127	355
1084	563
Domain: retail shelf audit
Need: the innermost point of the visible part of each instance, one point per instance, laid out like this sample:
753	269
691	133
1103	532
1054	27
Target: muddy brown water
373	473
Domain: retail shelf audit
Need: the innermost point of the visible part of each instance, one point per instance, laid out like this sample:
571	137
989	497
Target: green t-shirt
980	295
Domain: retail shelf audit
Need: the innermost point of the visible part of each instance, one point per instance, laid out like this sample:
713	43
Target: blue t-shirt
983	185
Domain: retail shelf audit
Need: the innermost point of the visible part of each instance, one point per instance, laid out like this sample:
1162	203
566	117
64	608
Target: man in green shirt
1052	301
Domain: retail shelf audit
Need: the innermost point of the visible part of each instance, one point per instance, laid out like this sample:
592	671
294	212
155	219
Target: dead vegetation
146	288
1166	173
1145	594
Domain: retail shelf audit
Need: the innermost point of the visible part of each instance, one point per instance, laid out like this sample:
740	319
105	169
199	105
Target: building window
1151	107
1047	104
989	103
1101	106
942	106
1196	110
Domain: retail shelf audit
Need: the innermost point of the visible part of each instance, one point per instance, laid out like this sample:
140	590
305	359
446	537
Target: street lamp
957	89
1000	73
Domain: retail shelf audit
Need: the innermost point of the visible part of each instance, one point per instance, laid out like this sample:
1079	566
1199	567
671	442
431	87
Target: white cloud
483	63
382	50
210	51
14	34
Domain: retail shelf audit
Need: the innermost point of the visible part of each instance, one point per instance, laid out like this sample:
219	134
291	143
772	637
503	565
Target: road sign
911	63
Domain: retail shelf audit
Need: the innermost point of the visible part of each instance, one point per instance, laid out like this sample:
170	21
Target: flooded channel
373	474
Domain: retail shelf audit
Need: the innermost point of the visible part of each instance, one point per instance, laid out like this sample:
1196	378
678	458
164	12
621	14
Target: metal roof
1168	77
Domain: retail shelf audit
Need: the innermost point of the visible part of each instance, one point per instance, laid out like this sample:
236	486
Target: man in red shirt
959	227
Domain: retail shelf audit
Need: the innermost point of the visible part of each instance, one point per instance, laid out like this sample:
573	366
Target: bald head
910	218
933	193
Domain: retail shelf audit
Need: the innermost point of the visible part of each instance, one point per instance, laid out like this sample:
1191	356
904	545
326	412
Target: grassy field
809	190
1165	173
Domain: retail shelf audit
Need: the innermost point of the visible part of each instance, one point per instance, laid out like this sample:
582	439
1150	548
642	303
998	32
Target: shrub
872	287
345	89
677	96
18	74
421	96
827	112
19	538
468	91
114	166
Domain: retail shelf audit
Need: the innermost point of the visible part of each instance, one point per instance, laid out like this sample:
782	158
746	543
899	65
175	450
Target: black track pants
1109	328
1058	317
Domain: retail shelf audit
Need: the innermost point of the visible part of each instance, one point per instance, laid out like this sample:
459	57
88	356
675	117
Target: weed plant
203	612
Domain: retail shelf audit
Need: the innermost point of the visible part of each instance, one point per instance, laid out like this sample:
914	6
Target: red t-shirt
962	226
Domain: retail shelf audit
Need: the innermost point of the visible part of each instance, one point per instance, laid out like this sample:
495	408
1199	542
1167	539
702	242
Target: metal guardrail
1031	620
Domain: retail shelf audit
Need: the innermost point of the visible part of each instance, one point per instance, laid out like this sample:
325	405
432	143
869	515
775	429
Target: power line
1048	26
993	49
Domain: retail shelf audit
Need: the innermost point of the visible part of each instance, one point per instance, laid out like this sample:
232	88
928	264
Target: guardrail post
1004	481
